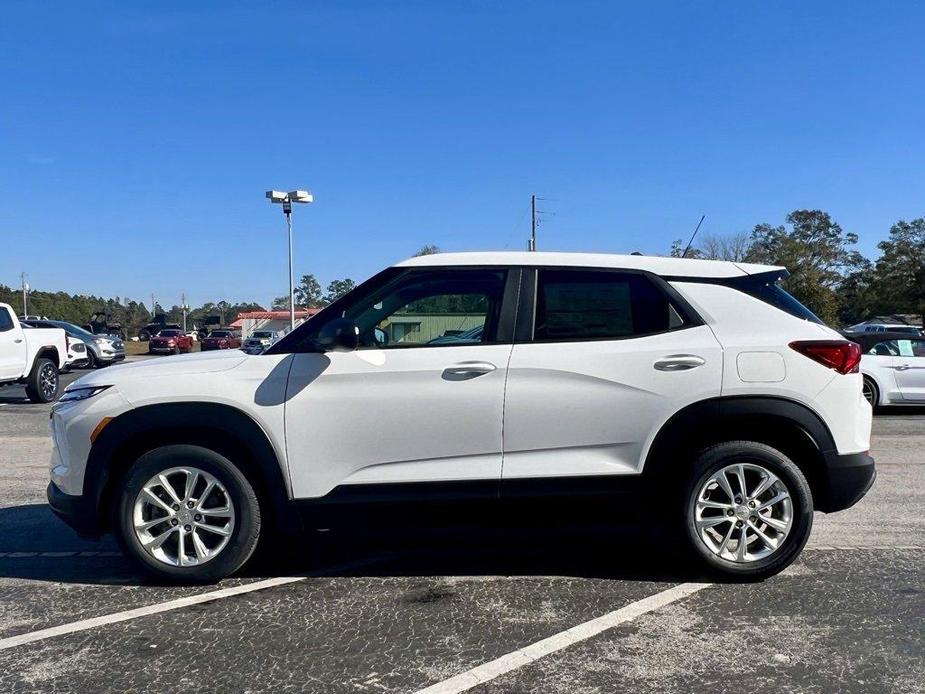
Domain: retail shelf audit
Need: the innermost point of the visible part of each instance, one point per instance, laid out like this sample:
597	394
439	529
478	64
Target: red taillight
841	355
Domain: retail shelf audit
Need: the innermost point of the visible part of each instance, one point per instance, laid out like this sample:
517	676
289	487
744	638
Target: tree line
827	273
134	315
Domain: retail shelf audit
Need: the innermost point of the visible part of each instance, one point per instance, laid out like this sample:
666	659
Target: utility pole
25	291
153	305
533	222
185	308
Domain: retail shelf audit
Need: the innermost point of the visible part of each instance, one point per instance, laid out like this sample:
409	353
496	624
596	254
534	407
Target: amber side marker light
98	429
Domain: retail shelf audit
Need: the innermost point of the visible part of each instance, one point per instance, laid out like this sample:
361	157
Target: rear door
910	369
609	357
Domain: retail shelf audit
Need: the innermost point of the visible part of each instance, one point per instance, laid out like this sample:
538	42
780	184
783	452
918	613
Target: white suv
499	378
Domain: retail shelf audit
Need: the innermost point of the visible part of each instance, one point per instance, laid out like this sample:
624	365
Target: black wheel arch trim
228	427
741	416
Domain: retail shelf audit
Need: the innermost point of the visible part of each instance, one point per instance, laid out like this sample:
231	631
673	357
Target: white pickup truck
31	356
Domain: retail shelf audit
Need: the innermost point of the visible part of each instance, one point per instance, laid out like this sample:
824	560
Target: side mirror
339	335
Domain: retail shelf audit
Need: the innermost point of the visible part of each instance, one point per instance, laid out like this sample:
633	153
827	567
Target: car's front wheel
748	510
187	514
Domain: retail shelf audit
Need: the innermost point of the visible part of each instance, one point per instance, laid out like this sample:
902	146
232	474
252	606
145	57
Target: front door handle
467	369
679	362
17	340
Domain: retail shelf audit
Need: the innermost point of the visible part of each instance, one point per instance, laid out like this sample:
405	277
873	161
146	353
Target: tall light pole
185	308
25	293
286	199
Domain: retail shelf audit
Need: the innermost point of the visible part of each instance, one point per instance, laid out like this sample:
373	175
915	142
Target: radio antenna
693	236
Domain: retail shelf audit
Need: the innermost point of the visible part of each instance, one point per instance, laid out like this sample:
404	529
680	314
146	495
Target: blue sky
136	139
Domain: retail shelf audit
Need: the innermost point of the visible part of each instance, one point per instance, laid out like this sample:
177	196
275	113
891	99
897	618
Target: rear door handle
679	362
467	369
17	340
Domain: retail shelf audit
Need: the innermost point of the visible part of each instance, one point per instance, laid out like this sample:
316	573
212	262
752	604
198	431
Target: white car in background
258	341
31	357
893	366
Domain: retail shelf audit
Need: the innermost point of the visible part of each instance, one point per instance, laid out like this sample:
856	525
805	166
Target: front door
420	401
12	347
612	357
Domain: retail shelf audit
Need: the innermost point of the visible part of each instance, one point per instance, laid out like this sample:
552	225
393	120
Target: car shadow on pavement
36	545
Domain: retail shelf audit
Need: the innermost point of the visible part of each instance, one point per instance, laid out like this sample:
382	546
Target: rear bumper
77	511
847	479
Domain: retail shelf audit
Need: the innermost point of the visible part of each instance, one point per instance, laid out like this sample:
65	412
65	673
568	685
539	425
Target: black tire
35	384
144	335
719	456
176	350
91	359
871	392
243	499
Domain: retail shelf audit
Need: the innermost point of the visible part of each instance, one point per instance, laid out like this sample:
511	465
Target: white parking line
528	654
126	615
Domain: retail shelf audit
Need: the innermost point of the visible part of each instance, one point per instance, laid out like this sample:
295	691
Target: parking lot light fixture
286	200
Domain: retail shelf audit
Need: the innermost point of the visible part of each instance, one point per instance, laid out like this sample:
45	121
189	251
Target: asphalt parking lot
491	613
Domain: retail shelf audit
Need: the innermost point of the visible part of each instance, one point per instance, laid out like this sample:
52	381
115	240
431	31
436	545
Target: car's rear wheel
187	514
42	383
748	510
870	391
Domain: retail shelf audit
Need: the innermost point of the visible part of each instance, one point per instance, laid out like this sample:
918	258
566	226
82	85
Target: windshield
219	333
169	333
262	334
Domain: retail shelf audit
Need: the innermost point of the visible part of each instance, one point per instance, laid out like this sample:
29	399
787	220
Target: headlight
100	341
75	394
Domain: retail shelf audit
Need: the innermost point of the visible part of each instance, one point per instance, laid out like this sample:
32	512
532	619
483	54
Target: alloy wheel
743	513
868	390
183	516
48	381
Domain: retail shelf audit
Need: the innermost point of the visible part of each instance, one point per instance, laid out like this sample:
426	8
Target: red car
220	339
170	342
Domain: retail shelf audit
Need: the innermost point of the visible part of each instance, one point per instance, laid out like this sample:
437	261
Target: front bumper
847	479
77	511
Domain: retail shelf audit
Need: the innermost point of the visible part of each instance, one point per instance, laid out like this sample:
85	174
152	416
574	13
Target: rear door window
576	305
